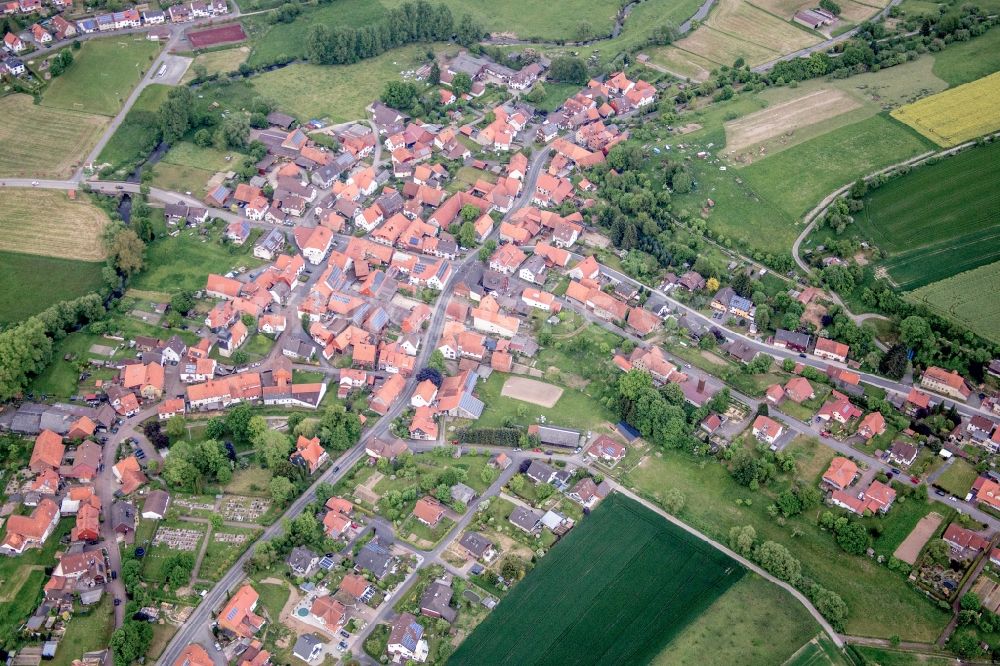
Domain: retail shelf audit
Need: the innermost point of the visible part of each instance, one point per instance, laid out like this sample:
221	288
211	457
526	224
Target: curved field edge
623	584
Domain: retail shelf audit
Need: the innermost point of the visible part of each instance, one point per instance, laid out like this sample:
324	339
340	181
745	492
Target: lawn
963	62
90	629
796	179
250	481
138	131
220	555
881	604
156	556
556	94
617	589
959	298
102	75
183	262
49	280
958	478
339	92
40	142
21	581
188	168
49	223
754	622
900	521
424	536
272	598
217	62
574	409
938	220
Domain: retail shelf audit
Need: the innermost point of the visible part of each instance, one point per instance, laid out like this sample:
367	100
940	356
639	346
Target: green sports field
939	220
622	586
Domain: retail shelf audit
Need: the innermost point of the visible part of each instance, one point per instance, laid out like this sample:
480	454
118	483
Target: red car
915	479
537	450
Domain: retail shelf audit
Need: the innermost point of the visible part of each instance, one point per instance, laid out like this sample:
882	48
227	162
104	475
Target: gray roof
436	600
792	338
122	515
526	519
475	543
374	557
558	436
156	502
540	472
305	644
300	558
462	493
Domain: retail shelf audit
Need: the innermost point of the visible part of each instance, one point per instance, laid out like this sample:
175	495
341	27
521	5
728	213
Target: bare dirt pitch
915	540
787	117
529	390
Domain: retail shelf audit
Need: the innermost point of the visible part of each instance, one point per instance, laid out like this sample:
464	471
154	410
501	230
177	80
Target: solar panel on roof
326	563
233	612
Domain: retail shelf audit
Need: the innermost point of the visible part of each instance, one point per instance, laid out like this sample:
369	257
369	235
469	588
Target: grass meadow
963	62
880	603
337	92
623	585
938	220
137	129
49	280
41	142
103	75
755	623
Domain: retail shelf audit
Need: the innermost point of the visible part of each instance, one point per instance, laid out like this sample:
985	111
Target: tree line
410	23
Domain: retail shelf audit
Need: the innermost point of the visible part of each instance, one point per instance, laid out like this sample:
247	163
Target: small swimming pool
302	612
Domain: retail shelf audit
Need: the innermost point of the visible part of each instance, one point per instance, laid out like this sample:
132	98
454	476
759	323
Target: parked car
915	479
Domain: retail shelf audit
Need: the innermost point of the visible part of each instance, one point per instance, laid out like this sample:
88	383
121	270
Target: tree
468	30
233	132
673	500
130	641
970	601
272	448
853	538
915	332
536	94
741	284
175	114
467	234
777	560
281	489
431	374
399	95
712	284
544	491
338	428
830	605
743	539
238	421
568	69
434	76
938	551
436	361
131	575
461	83
893	364
682	182
126	251
965	644
182	302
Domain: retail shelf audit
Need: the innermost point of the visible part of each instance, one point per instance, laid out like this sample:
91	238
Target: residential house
525	519
129	474
406	642
767	429
376	558
428	510
831	350
47	453
302	561
478	547
309	453
156	505
964	543
30	531
903	453
238	617
436	601
872	425
841	473
606	450
329	612
948	383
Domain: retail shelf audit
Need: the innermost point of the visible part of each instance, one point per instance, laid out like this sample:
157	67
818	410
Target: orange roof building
238	616
328	611
428	510
194	655
309	453
25	532
129	474
840	473
48	452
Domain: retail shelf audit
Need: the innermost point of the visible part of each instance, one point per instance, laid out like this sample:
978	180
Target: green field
753	623
184	262
965	298
820	652
220	555
624	583
103	75
880	603
963	62
337	92
48	280
938	220
574	409
271	40
796	179
138	130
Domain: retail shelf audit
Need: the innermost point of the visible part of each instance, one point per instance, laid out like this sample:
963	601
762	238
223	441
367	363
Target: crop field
48	280
851	11
218	62
102	76
964	298
338	92
736	29
40	142
620	588
755	623
797	178
48	223
938	220
957	115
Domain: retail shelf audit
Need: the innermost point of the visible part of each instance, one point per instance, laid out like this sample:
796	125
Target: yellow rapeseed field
957	115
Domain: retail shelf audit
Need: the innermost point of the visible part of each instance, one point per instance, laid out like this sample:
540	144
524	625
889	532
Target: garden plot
530	390
227	537
245	509
988	590
177	538
909	550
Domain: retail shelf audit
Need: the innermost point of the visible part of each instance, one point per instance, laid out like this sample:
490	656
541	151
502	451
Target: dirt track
787	117
915	540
